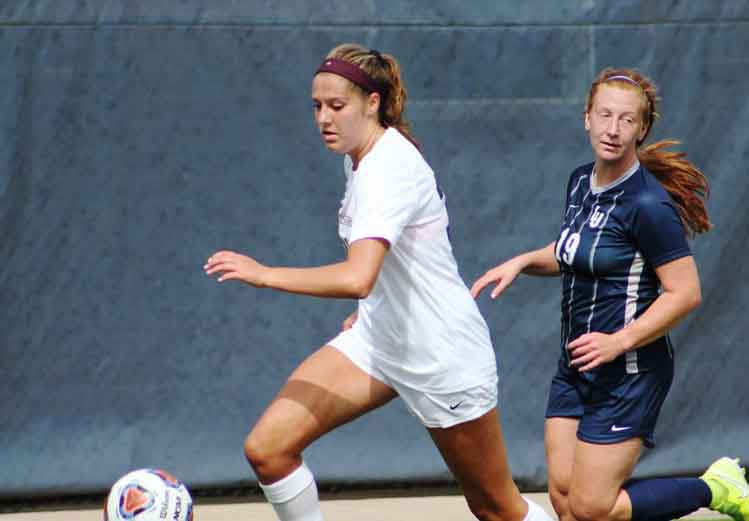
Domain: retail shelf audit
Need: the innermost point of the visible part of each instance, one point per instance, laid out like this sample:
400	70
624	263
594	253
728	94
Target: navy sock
667	498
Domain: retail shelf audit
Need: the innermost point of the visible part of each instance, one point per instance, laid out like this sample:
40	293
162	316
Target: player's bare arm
539	262
352	278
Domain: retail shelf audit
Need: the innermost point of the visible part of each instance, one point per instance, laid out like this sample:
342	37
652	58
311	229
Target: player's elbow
359	282
695	299
690	299
360	287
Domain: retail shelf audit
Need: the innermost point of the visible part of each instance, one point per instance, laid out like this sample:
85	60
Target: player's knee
261	452
585	507
559	494
253	450
270	454
560	501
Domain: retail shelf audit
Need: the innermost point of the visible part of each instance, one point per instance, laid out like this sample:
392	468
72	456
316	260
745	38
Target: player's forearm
340	280
541	262
662	316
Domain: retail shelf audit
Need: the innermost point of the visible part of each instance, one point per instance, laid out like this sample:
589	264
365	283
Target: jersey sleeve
388	199
658	231
570	183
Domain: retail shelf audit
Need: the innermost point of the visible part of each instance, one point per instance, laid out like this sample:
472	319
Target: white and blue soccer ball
148	495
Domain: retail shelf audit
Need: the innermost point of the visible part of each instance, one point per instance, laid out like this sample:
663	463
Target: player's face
343	115
615	124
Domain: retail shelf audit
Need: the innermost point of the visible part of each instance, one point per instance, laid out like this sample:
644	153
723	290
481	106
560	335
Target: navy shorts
612	406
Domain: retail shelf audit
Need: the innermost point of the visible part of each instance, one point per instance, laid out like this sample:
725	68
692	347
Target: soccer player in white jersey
628	278
417	332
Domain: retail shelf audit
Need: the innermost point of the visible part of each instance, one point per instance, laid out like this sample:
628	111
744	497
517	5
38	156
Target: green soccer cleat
727	482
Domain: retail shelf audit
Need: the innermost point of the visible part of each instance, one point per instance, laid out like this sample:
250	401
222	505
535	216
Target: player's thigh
560	439
599	471
325	391
475	453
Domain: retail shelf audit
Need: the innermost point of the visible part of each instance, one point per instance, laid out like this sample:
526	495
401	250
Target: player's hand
590	350
235	266
349	321
502	275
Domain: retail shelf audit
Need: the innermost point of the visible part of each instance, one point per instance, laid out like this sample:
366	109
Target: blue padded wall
138	137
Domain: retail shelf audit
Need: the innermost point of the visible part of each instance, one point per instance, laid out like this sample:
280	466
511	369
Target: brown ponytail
685	183
384	69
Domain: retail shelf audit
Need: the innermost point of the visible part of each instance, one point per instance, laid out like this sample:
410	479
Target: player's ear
587	121
373	103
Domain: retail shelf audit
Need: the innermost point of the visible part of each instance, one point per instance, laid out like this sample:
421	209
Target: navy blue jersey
611	239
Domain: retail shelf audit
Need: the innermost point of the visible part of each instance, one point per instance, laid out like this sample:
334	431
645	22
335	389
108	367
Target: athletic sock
535	512
667	498
294	498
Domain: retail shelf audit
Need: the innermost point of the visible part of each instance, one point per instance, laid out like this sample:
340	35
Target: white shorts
434	410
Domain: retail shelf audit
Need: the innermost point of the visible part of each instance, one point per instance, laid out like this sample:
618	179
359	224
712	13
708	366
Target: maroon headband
351	72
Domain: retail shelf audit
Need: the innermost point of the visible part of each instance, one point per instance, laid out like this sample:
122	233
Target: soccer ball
148	495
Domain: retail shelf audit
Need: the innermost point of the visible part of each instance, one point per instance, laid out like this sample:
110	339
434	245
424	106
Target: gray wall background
138	137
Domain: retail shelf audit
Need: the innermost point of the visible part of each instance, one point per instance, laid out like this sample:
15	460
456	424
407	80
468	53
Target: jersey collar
599	189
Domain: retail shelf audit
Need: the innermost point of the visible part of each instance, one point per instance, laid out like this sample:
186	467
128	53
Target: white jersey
420	319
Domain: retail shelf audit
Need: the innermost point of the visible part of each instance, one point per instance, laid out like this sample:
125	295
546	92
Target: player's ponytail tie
380	59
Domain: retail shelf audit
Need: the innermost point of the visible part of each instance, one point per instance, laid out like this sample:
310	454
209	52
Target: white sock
535	512
294	498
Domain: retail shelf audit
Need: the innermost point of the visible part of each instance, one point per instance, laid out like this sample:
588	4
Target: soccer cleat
730	491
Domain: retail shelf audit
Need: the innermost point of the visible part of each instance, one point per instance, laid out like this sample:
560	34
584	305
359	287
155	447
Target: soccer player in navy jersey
628	277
